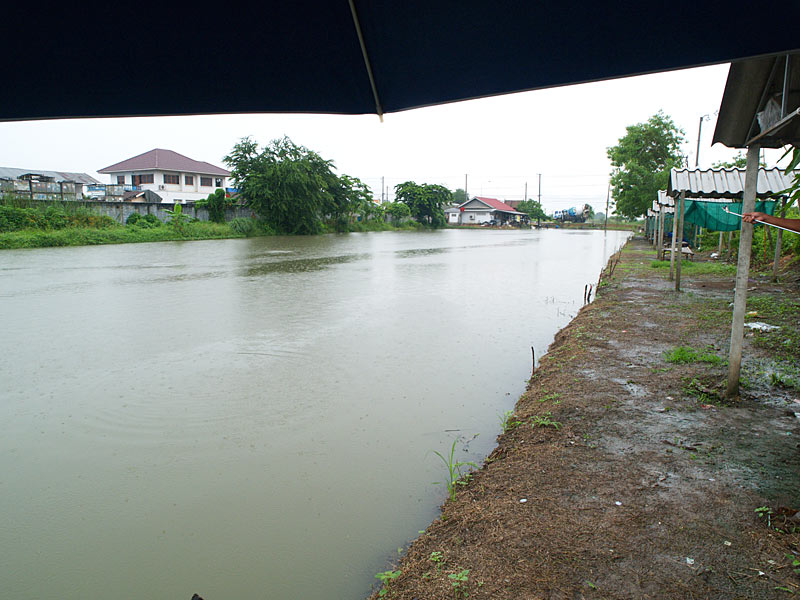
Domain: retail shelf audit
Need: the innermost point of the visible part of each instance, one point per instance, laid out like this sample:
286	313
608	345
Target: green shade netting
709	215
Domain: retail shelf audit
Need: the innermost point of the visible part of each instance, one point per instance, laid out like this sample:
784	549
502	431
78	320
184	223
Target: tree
425	201
216	203
397	210
289	186
460	196
533	208
739	162
642	160
352	197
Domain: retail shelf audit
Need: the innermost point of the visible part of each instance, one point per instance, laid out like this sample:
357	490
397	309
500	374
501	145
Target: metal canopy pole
679	256
742	273
661	229
367	63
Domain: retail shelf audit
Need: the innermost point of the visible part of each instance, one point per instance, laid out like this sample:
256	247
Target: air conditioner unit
162	187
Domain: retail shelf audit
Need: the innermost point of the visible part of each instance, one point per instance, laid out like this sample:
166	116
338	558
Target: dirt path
649	484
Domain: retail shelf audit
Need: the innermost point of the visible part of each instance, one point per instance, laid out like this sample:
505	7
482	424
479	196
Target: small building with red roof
175	178
480	210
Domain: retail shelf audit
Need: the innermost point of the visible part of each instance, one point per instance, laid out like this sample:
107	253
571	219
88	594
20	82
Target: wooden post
533	358
674	235
778	243
730	245
719	250
661	230
658	227
679	255
742	274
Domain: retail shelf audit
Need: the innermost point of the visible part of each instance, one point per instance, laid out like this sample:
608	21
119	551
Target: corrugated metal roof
165	160
12	173
753	84
725	183
495	204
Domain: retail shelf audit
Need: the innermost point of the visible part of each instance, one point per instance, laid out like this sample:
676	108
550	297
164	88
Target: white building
173	177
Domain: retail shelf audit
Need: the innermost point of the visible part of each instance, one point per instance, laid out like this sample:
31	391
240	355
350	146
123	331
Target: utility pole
525	195
697	154
699	132
466	192
382	188
608	197
540	189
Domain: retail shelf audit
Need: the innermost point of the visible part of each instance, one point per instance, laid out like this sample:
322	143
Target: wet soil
625	475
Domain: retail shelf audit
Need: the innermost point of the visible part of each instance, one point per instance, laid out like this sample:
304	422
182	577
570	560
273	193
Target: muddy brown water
257	418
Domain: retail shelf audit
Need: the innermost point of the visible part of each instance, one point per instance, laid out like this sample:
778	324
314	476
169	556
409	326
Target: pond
257	417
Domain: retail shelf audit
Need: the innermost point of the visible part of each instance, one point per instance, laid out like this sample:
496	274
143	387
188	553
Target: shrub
133	218
245	226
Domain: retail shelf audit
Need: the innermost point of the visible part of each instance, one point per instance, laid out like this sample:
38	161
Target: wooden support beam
674	235
742	274
778	244
679	256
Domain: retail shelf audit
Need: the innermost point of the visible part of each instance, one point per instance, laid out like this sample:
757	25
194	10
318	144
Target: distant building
44	185
175	178
481	210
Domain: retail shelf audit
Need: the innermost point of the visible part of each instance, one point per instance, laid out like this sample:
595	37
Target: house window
188	180
121	179
140	179
205	181
218	182
173	179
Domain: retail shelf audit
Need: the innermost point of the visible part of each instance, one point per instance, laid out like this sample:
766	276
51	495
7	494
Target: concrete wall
120	211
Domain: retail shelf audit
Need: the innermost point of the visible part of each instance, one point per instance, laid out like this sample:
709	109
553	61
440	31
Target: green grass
86	236
120	234
544	420
698	268
687	354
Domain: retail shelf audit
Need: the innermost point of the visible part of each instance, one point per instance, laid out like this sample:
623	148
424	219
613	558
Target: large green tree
289	186
642	160
460	196
425	201
532	208
352	197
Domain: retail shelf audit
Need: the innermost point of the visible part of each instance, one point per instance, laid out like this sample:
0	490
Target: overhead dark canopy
69	60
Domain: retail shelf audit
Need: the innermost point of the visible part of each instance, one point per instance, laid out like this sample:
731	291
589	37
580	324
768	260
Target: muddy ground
625	475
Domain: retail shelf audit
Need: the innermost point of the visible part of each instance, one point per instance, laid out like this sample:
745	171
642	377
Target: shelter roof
753	107
725	183
58	176
165	160
311	56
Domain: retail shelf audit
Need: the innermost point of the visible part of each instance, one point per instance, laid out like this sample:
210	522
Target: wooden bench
686	252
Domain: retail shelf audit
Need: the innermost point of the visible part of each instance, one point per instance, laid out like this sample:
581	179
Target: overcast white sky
500	143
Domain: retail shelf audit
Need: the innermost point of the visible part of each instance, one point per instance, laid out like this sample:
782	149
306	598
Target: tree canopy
460	196
293	188
425	201
533	208
642	160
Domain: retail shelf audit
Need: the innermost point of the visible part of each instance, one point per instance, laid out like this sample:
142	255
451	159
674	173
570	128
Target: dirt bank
624	475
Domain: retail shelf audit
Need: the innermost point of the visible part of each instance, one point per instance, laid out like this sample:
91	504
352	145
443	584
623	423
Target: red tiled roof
496	204
165	160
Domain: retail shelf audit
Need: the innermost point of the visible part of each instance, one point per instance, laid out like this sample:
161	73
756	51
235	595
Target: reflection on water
215	417
300	265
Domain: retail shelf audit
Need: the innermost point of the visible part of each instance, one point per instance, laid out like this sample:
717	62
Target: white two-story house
175	178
